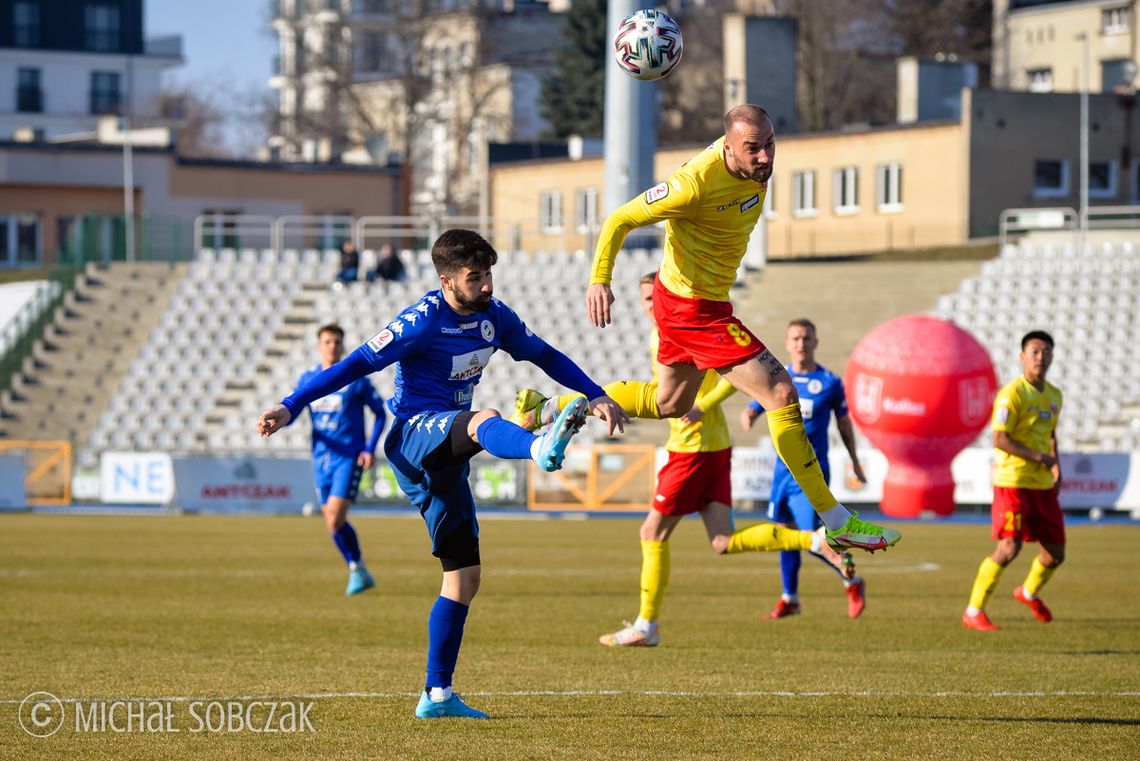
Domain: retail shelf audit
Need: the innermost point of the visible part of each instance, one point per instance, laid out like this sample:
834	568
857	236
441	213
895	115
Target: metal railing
1066	218
19	336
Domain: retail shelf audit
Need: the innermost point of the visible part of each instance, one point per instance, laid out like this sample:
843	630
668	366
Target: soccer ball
648	44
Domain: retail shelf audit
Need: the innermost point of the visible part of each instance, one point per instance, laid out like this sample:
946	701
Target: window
19	240
29	99
1050	178
586	210
1040	80
550	211
1114	20
105	95
26	24
803	194
372	6
1115	72
1102	179
102	22
888	187
371	53
845	190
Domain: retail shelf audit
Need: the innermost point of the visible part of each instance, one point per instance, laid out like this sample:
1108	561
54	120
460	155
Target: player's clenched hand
598	300
747	417
273	420
610	411
693	416
365	460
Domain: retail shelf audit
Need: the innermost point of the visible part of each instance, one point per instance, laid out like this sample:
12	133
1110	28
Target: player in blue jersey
340	454
440	346
821	395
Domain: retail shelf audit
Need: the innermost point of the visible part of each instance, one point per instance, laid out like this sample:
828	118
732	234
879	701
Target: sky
227	45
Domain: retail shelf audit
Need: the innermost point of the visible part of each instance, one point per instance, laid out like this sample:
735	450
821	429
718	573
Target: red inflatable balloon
921	389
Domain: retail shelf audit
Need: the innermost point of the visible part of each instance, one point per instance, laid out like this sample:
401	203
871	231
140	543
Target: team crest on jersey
657	192
748	204
487	330
815	385
380	340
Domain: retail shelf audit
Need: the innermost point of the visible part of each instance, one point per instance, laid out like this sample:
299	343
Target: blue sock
346	541
445	635
504	439
790	570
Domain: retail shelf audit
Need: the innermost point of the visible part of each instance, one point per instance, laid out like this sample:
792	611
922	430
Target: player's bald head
747	114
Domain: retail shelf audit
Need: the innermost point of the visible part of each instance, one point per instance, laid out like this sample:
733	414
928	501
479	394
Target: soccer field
195	608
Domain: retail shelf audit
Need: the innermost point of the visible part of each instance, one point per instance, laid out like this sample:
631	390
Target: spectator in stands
388	265
1027	477
349	262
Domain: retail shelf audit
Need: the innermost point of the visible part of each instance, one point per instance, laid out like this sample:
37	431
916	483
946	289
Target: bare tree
198	117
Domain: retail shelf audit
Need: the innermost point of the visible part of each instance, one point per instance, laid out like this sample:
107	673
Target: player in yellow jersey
695	479
1027	476
709	207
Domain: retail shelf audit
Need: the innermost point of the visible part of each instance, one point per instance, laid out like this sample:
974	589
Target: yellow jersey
1029	417
708	215
710	433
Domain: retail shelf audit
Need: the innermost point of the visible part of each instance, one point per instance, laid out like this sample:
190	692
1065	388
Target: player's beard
480	303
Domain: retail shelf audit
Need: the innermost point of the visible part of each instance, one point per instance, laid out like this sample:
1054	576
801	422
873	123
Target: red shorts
1032	515
691	480
700	332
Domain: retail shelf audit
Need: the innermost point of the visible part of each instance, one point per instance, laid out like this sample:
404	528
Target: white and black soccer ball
648	44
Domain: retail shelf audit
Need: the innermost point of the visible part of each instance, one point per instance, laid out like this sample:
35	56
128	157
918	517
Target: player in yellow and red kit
1027	476
709	207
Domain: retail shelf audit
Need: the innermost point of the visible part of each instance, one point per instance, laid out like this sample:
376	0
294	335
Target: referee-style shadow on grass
1100	652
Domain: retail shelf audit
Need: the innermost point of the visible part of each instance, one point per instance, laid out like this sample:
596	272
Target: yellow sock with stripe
1037	578
988	574
768	537
654	577
637	398
787	428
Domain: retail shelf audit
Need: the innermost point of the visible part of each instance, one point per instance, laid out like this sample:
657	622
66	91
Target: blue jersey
440	354
821	395
338	419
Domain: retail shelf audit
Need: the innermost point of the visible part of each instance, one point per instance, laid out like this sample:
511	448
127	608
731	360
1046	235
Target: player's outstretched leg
549	449
530	406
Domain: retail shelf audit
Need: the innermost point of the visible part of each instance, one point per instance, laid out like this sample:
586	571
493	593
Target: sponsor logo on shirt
487	330
807	406
451	331
657	192
380	340
396	327
1003	413
421	307
468	325
465	395
433	299
464	366
748	204
330	403
410	317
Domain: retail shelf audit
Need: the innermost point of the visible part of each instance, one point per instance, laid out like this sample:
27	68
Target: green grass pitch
175	608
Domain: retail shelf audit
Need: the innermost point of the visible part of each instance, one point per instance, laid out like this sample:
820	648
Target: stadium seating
1089	301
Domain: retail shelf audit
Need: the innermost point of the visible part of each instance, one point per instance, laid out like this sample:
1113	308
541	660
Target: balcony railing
169	46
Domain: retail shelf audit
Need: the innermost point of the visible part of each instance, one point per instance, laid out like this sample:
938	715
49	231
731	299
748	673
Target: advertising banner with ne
243	484
12	482
135	478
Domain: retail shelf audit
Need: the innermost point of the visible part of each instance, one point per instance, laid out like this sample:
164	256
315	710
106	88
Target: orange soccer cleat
783	609
979	621
1040	611
856	599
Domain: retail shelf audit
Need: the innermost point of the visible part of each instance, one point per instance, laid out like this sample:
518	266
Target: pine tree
573	98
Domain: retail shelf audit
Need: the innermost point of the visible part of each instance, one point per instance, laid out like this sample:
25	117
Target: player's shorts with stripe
434	478
336	476
689	481
700	332
1032	515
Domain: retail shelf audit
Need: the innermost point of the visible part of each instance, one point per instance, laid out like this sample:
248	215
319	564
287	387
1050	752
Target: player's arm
564	371
705	402
749	415
1056	456
668	200
847	433
375	403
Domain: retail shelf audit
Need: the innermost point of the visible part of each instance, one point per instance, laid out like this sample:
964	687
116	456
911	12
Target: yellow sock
787	428
1037	578
988	574
638	399
768	537
654	577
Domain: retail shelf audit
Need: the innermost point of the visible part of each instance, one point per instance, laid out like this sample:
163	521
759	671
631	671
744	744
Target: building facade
66	63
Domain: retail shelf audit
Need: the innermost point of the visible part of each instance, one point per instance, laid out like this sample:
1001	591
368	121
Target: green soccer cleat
862	535
549	449
358	581
528	409
442	709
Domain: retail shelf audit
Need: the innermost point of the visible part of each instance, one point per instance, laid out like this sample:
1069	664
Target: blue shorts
437	485
336	476
789	505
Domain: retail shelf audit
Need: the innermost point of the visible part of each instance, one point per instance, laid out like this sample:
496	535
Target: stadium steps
87	348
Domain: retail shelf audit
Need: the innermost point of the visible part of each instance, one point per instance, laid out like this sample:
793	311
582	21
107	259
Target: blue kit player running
441	346
821	395
340	454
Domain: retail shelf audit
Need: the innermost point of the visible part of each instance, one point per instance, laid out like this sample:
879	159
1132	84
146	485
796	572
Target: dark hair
804	322
649	278
1036	335
332	327
749	113
458	248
